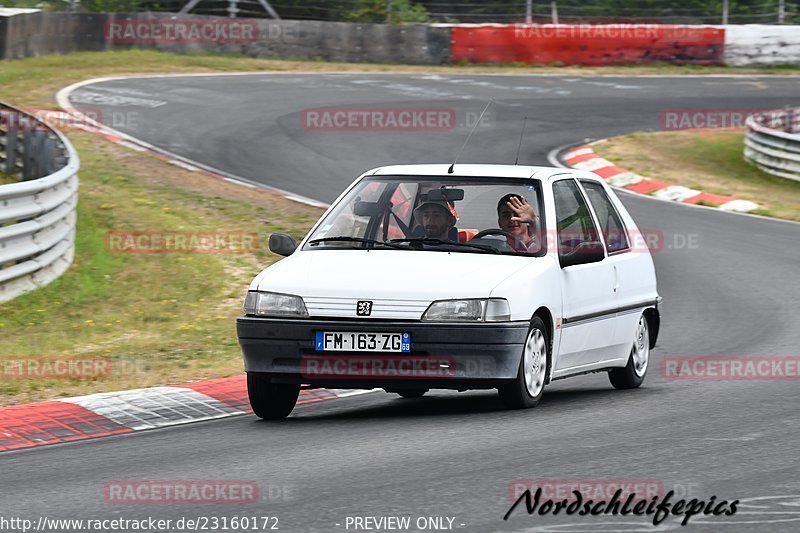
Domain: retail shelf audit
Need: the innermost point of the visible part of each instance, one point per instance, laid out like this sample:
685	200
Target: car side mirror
282	244
585	253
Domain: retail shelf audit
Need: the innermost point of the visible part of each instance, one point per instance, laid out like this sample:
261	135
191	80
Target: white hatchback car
466	277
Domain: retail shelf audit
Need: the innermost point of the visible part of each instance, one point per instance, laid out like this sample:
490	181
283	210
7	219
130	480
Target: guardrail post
11	148
27	154
47	156
39	140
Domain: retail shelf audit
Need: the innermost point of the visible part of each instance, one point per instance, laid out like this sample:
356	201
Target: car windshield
464	215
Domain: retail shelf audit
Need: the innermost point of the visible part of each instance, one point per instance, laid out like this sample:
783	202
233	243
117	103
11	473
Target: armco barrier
37	210
772	142
588	45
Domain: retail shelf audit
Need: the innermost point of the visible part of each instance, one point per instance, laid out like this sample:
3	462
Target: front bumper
458	356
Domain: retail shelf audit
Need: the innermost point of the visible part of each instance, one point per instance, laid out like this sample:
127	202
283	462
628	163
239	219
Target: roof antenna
524	120
450	170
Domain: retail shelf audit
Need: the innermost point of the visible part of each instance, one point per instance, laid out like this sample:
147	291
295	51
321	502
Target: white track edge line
62	98
552	158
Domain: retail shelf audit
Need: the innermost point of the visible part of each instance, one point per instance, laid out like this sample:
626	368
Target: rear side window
575	224
610	222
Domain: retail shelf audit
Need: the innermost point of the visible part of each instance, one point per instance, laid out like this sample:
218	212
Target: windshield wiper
347	238
428	240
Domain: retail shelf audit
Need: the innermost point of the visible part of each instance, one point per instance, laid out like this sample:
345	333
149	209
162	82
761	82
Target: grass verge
708	160
157	319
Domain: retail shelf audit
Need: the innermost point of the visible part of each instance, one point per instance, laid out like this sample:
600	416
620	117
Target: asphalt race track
729	284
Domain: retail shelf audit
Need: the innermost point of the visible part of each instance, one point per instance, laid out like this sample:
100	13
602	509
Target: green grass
708	160
157	318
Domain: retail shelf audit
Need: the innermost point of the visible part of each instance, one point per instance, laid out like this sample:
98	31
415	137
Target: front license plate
345	341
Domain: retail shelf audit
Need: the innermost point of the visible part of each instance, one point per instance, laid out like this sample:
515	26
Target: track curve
734	293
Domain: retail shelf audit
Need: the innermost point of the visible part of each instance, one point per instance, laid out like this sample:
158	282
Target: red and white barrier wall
757	44
25	33
625	44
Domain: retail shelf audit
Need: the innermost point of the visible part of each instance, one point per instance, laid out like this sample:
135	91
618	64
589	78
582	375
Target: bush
375	11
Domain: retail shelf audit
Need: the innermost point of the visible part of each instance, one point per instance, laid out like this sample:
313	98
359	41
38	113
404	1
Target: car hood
389	274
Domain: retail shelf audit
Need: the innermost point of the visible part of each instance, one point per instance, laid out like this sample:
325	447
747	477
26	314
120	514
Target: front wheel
632	375
527	389
271	401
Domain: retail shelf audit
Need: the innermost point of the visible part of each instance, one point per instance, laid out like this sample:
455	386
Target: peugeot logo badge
364	308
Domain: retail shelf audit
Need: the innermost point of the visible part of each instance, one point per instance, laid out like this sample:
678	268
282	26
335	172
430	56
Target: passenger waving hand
518	218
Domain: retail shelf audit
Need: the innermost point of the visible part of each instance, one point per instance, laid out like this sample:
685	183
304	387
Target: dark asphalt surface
732	292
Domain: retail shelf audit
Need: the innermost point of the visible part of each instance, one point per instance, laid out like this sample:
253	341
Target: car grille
346	307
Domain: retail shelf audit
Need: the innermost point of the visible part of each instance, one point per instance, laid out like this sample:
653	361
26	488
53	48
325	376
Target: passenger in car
437	219
518	218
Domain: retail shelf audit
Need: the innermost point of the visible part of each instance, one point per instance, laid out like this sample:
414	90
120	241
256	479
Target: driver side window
575	224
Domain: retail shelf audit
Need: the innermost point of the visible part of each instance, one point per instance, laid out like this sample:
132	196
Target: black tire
271	401
515	395
628	377
411	393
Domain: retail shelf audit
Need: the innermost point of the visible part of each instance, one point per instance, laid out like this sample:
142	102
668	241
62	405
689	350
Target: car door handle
616	278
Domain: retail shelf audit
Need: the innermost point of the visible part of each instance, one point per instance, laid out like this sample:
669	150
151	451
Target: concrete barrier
613	44
757	44
36	34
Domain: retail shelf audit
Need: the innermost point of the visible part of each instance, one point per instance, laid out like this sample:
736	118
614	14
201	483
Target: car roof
483	171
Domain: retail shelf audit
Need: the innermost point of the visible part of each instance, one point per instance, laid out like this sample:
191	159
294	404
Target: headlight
489	310
274	304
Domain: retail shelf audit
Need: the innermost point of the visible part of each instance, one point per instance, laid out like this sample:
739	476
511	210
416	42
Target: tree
375	11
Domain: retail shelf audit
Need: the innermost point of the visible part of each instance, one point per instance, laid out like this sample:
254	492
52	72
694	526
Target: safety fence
38	198
772	142
465	11
39	33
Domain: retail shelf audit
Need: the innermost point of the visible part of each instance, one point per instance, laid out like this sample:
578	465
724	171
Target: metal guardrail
772	142
37	210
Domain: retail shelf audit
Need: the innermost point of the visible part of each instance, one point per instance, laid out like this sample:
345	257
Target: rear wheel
271	401
527	390
632	375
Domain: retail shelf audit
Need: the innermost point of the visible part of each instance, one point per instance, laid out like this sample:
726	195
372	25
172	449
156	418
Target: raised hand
523	211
